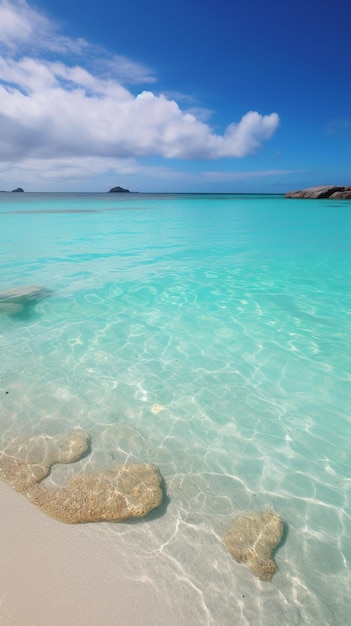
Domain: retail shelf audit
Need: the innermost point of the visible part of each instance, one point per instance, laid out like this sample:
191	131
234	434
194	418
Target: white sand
53	574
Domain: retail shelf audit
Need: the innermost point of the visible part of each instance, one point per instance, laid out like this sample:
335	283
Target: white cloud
23	30
126	71
227	177
101	173
51	107
17	23
23	27
55	109
36	174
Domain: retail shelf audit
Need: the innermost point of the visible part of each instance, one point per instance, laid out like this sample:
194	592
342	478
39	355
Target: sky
186	96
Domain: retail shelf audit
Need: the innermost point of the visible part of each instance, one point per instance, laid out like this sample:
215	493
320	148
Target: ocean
208	334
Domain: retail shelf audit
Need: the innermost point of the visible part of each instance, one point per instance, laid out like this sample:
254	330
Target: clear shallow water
209	334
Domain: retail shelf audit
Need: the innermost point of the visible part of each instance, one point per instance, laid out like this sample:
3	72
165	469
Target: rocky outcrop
118	190
18	300
345	194
114	495
18	189
252	539
331	191
25	462
23	293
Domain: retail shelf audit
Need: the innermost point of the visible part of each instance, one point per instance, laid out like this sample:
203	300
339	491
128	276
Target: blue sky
188	96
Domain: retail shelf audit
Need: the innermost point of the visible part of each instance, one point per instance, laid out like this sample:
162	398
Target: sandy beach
56	574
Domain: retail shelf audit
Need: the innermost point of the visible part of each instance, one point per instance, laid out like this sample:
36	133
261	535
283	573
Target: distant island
13	190
334	192
118	190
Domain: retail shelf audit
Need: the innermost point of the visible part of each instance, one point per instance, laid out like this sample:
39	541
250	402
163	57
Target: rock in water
27	461
22	294
113	495
118	190
252	539
326	191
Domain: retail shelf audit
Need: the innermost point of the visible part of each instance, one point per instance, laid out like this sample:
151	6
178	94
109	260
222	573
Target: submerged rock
252	539
23	293
322	192
113	495
26	461
116	494
20	300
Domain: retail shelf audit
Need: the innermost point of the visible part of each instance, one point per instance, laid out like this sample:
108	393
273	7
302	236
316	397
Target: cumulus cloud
50	106
53	108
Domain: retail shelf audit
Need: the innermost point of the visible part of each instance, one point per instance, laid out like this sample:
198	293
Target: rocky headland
331	191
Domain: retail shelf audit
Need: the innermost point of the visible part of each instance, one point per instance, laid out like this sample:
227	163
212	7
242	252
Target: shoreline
53	573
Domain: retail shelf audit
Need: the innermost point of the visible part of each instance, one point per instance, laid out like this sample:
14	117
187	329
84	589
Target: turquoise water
209	334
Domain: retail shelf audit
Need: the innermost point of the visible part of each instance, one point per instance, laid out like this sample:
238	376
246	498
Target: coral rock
112	495
252	539
25	462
